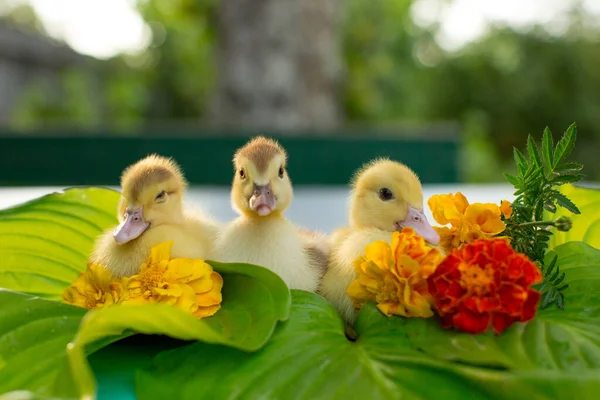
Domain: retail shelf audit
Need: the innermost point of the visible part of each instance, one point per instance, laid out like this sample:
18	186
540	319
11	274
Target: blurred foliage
500	88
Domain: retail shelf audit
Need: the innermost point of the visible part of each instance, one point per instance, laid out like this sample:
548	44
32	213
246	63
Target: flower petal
213	296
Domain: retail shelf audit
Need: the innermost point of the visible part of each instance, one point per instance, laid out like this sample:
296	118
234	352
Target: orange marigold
190	284
506	208
468	222
485	283
94	288
395	277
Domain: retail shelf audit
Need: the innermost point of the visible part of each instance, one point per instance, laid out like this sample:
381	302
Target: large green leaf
310	358
46	247
254	299
586	226
566	339
45	243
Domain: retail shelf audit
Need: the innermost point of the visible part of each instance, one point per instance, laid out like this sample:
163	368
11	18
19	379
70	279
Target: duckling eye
161	196
385	194
281	172
242	173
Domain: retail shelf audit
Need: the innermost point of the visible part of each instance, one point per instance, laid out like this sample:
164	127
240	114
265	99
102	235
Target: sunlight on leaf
309	358
45	243
586	226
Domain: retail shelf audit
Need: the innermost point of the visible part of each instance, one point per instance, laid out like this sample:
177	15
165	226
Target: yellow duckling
386	197
150	212
261	235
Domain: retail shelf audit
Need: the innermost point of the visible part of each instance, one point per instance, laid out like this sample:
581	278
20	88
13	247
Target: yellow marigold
506	208
468	222
395	277
93	289
190	284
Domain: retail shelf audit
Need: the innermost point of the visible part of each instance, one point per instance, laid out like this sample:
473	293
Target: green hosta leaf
46	247
566	339
565	145
548	149
254	299
45	243
309	358
34	334
586	226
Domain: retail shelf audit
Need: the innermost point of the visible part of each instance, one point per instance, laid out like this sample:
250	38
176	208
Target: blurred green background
309	68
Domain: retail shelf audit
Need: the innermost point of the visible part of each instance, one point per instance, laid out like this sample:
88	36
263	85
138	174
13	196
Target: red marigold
485	282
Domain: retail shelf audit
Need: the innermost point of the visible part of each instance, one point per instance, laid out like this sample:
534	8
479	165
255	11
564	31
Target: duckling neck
263	219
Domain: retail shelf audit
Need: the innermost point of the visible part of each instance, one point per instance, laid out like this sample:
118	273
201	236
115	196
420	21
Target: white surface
318	208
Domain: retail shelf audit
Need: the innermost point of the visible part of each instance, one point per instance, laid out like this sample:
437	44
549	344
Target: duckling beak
263	200
417	220
133	226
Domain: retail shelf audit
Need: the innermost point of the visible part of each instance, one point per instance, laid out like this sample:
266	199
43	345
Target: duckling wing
316	246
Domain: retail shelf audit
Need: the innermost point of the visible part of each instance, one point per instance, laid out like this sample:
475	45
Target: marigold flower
94	288
506	208
190	284
395	277
468	222
485	283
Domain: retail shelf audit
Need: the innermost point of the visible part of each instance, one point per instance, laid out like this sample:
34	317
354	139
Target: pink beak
417	220
263	201
133	226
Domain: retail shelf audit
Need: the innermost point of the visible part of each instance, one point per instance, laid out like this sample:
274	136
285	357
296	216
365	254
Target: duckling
386	196
316	244
261	235
151	211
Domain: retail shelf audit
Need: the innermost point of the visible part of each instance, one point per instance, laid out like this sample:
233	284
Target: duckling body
386	197
151	212
271	242
340	273
193	238
261	235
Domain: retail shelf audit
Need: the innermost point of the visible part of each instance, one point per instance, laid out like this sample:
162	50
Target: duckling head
261	185
152	195
388	195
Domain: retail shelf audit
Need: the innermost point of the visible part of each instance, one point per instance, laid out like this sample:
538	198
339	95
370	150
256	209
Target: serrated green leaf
564	201
533	150
550	207
310	358
568	168
45	243
565	145
513	180
548	149
563	179
520	161
586	225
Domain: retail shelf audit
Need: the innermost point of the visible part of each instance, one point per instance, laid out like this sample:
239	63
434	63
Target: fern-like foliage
536	188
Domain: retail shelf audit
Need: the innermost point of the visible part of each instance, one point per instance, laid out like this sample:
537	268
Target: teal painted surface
37	161
115	366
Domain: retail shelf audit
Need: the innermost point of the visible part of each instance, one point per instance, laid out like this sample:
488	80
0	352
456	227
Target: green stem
536	223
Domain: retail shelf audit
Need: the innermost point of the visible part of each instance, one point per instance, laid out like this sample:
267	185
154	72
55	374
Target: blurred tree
282	70
279	64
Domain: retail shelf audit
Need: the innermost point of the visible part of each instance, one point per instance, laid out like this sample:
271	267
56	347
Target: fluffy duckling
150	212
386	197
261	235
